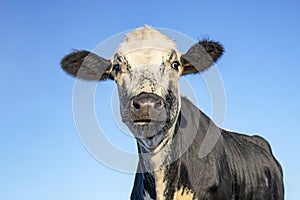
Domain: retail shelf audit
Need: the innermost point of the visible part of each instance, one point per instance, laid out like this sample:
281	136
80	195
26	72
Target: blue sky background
41	154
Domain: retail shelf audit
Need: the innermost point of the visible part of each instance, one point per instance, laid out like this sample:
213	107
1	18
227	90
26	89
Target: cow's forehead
150	56
146	37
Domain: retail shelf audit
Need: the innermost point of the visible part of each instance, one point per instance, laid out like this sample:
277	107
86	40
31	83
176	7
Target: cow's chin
149	134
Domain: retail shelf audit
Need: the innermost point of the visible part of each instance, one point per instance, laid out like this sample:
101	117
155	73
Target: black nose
146	107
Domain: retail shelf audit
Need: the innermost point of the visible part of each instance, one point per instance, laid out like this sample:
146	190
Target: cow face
146	68
147	82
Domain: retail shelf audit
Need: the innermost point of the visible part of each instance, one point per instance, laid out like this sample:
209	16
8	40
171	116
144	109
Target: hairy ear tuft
214	49
201	56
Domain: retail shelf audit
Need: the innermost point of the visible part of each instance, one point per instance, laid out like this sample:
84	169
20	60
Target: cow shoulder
259	141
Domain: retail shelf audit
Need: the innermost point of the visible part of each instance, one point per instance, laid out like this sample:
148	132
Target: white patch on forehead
146	46
147	57
145	37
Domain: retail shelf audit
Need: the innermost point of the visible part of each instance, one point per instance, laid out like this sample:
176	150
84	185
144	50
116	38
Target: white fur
145	37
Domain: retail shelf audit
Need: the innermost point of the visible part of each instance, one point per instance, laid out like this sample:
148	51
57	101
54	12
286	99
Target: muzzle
147	108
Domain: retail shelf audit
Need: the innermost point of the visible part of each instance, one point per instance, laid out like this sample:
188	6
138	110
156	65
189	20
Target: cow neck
159	164
154	161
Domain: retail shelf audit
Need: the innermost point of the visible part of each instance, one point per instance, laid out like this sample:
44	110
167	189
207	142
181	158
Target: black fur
201	56
238	167
86	65
214	49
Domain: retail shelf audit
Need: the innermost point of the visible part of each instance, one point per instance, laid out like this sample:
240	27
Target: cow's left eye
175	65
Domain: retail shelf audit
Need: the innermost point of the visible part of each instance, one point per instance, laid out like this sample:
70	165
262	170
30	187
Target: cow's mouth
142	121
146	122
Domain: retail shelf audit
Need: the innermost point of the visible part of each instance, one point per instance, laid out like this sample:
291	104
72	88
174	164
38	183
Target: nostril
159	103
145	102
136	105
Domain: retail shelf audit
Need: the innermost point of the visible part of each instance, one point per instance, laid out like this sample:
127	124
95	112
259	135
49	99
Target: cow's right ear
86	65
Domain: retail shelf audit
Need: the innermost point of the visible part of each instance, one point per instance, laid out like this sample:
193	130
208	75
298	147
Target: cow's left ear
201	56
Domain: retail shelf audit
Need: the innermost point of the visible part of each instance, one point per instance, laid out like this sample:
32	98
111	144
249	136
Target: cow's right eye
116	68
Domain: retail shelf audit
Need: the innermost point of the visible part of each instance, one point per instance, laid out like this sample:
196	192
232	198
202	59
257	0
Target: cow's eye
175	65
116	68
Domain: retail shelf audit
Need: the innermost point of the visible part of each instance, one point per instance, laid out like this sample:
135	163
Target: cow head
146	68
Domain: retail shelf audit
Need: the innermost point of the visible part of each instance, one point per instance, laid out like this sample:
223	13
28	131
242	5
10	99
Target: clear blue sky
41	154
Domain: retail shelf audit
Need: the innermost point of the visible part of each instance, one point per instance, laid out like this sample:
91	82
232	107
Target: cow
169	129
